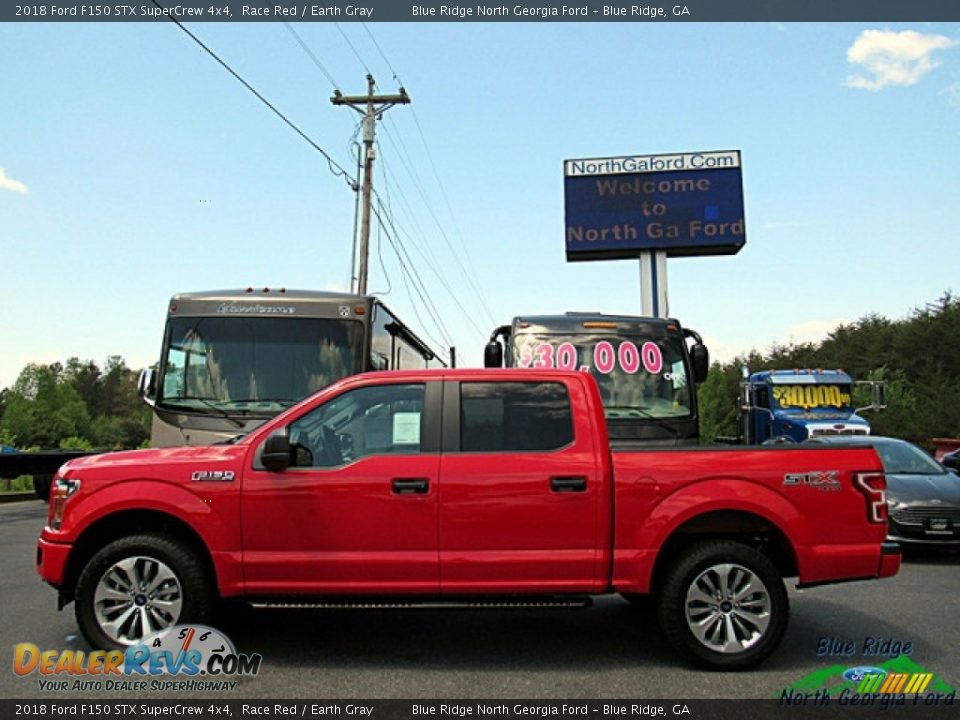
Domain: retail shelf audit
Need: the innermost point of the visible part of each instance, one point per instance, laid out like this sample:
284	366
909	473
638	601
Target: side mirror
276	452
700	358
493	355
147	385
879	396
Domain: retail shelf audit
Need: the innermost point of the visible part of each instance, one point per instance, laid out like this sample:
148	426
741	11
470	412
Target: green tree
41	409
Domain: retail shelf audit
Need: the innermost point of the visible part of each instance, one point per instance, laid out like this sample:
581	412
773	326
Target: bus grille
834	431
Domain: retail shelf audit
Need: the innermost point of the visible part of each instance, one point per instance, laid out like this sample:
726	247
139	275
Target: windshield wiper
282	402
644	413
220	412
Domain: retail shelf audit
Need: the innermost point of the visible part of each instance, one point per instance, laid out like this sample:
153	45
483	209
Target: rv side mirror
147	385
276	452
493	355
700	358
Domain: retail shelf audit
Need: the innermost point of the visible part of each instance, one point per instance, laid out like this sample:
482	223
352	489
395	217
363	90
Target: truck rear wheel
723	604
138	585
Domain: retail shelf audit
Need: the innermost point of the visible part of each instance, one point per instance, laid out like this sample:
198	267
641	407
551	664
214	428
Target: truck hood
200	458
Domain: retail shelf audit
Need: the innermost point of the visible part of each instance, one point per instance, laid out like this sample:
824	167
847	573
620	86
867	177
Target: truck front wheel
723	604
138	585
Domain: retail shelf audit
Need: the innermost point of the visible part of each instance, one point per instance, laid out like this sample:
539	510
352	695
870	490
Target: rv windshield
639	377
254	364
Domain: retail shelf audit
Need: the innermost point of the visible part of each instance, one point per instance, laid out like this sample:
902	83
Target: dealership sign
683	204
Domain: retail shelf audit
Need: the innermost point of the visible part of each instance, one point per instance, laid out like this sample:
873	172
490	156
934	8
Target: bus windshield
254	364
639	376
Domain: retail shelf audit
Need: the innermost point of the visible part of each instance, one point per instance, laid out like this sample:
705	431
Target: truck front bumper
52	561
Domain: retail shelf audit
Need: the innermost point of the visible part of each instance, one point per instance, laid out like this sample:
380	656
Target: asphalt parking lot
609	651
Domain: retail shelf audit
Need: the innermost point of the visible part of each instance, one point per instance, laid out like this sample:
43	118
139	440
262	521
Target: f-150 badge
213	476
821	479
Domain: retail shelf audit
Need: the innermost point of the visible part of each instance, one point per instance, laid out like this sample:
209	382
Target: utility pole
371	106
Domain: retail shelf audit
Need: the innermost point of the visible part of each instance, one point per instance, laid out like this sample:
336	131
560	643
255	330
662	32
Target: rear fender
638	550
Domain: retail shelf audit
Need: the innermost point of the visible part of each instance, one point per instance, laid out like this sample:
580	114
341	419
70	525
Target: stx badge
826	480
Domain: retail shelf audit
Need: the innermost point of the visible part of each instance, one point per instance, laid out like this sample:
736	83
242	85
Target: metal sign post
653	284
653	207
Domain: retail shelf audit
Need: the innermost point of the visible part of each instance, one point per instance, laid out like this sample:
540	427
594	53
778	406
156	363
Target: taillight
873	485
61	491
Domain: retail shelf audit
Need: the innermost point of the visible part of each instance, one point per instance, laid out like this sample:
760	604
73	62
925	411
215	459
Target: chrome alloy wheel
135	597
727	608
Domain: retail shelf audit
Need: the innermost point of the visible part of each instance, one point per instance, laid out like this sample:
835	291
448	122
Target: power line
350	44
411	273
425	255
313	57
334	166
471	283
470	272
433	268
377	46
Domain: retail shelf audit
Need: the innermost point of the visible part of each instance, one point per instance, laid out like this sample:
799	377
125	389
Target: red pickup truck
462	487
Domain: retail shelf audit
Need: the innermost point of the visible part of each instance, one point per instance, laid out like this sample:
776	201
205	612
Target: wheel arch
742	526
125	523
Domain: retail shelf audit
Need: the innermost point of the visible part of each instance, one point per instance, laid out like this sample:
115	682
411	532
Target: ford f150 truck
462	487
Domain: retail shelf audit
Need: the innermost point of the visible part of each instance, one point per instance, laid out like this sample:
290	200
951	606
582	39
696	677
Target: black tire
41	486
191	583
739	632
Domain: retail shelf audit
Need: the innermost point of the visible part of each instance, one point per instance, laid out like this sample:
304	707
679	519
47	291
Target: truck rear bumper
52	561
826	565
890	557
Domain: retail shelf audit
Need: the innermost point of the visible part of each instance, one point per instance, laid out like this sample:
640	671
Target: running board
540	603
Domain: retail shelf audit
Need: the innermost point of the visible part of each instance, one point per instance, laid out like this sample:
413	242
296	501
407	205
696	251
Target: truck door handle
568	484
410	486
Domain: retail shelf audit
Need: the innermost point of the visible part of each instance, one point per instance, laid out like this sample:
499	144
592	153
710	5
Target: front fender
212	516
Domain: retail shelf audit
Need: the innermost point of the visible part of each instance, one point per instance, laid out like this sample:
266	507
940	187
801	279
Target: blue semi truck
793	405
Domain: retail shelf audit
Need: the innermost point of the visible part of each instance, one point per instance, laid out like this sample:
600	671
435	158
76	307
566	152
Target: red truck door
357	510
519	489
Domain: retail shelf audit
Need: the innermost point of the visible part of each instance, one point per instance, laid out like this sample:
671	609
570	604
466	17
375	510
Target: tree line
78	405
84	406
918	358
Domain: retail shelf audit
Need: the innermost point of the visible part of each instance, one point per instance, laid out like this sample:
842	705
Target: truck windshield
807	397
254	365
639	377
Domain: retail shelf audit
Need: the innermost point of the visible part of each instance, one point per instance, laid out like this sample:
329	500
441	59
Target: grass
20	484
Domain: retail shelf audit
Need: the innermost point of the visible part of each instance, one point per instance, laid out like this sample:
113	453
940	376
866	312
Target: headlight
63	488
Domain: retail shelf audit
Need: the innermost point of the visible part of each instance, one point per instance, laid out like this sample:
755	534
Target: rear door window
514	417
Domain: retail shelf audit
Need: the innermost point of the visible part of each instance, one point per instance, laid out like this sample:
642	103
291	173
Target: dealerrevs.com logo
183	657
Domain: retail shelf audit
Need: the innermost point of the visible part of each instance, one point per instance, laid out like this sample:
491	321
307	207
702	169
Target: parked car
923	496
952	460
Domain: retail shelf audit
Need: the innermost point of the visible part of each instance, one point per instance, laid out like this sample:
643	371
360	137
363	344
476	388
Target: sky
133	167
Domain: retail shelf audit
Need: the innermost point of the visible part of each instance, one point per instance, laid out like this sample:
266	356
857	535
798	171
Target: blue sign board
683	204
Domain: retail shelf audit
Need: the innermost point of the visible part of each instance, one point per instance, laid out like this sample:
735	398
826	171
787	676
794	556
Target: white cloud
891	58
7	183
812	331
